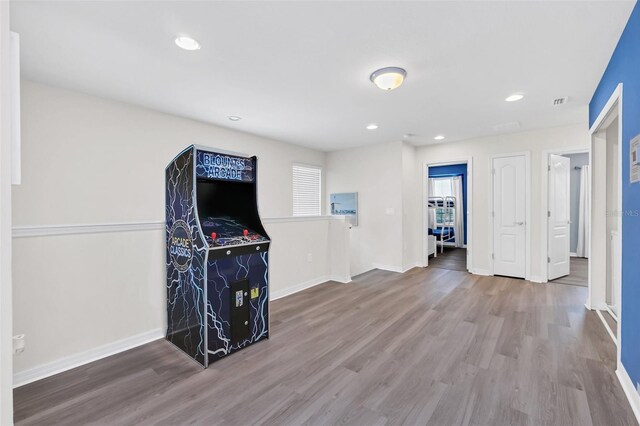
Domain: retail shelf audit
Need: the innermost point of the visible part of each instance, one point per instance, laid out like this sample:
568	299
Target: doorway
606	216
447	204
510	214
568	216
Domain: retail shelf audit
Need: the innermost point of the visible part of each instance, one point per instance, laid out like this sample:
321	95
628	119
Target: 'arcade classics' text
180	246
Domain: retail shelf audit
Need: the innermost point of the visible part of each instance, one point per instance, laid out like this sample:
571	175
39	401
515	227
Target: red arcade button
245	232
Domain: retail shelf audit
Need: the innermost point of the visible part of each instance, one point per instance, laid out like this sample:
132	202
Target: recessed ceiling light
234	118
439	137
372	126
187	43
514	97
388	78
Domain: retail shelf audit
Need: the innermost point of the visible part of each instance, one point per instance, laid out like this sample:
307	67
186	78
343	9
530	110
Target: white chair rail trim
79	229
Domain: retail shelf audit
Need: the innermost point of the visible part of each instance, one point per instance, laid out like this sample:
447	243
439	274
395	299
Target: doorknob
519	223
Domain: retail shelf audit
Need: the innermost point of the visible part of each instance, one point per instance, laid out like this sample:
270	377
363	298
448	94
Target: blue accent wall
624	68
454	170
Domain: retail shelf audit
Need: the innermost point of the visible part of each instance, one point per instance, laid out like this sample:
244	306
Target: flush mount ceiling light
372	126
234	118
388	78
439	137
514	97
187	43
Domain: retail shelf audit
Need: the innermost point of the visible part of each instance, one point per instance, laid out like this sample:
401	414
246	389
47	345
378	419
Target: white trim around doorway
469	207
596	298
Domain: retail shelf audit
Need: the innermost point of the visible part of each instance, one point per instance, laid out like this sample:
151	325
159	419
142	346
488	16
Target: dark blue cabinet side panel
185	261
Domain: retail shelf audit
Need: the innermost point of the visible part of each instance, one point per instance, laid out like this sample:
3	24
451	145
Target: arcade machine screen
225	216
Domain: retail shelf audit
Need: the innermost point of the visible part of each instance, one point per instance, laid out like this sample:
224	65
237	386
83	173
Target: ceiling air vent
560	101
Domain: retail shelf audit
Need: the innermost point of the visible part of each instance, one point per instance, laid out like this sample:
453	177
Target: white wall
411	209
88	160
91	160
612	171
575	136
6	316
375	173
599	241
325	242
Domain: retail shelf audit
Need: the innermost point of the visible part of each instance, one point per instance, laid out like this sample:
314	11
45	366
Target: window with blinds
307	190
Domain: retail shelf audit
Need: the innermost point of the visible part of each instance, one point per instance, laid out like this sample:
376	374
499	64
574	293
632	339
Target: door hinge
549	168
493	214
548	260
492	256
548	213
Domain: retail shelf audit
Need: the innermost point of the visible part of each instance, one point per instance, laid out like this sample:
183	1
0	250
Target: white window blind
307	190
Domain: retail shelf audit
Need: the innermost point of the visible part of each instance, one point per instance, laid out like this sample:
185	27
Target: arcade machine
217	254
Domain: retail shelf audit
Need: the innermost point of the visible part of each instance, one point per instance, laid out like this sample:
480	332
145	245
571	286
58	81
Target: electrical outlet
18	343
309	257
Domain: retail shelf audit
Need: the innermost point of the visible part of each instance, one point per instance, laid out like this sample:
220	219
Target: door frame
545	201
527	244
469	207
596	298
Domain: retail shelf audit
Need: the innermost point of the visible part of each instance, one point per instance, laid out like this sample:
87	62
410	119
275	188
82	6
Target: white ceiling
299	71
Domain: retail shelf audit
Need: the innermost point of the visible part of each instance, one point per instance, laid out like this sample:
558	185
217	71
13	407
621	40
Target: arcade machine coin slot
239	310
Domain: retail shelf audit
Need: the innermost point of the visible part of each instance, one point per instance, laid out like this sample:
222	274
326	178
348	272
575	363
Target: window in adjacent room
441	187
307	190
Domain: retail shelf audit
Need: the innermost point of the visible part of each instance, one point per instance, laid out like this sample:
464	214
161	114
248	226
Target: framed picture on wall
345	204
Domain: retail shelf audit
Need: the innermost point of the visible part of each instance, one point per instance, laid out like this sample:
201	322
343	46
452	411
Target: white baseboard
388	268
537	279
573	254
413	265
399	270
599	307
307	284
483	272
343	280
606	326
630	390
72	361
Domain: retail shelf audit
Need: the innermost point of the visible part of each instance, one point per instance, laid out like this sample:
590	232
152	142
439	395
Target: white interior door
559	216
509	216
